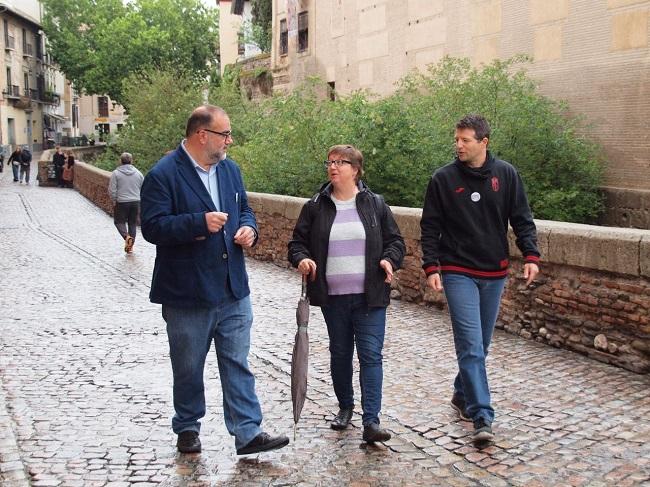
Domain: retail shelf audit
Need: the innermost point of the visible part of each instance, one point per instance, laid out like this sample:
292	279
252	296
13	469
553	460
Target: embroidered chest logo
495	184
459	189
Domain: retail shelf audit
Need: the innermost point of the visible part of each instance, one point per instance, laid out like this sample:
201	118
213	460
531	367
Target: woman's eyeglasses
337	163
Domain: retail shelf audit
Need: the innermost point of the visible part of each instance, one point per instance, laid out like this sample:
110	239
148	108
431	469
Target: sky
32	7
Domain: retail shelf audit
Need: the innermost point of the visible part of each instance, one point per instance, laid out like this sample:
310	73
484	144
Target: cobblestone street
85	382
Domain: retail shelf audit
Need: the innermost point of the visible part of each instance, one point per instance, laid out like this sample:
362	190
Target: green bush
406	136
159	101
281	142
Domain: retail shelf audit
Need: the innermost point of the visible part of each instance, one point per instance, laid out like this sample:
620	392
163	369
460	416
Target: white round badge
475	196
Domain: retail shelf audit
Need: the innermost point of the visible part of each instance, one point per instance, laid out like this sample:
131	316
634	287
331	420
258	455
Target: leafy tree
261	26
99	43
159	103
280	142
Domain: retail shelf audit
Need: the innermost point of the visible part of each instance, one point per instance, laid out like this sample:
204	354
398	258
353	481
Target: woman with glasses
347	241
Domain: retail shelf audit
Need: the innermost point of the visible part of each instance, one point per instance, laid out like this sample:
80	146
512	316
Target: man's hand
434	282
307	267
388	269
530	272
215	221
245	236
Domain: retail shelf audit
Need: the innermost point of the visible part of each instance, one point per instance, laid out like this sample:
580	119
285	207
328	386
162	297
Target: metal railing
12	91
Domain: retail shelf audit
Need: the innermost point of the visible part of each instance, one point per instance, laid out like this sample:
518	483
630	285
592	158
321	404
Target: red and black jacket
465	220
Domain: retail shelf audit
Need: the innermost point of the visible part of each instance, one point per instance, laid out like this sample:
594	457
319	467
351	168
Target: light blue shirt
208	178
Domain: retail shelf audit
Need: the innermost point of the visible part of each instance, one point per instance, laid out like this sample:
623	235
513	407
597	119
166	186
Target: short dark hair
201	118
478	123
351	153
126	158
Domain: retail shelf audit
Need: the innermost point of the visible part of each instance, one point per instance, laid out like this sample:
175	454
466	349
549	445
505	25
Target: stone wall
593	295
627	208
80	154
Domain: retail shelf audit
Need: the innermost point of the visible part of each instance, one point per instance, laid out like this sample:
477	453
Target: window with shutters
102	106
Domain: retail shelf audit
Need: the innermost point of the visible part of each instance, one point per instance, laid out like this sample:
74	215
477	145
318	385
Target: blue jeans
473	307
16	171
350	320
190	332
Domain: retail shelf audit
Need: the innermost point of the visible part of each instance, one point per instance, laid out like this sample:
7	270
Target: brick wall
593	296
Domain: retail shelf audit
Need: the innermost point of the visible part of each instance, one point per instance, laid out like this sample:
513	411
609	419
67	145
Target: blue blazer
194	268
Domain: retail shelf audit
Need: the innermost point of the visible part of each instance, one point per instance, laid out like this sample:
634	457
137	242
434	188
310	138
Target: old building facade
592	53
24	93
234	16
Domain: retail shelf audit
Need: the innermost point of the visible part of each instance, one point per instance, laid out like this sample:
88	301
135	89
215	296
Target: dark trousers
58	172
126	213
350	321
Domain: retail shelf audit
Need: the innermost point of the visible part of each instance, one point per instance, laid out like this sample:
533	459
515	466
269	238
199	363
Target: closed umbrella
300	357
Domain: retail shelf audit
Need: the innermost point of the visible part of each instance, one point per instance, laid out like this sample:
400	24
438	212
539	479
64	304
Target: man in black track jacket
467	208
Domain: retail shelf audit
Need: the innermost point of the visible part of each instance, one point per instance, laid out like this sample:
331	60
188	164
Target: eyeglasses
337	163
225	134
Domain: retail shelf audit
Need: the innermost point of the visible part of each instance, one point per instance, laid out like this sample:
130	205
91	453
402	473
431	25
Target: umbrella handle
304	286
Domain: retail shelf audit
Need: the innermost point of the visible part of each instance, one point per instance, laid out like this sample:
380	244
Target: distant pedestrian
347	240
124	191
195	210
25	165
59	162
2	161
14	160
468	206
68	171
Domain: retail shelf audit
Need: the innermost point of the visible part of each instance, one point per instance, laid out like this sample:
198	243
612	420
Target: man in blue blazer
195	210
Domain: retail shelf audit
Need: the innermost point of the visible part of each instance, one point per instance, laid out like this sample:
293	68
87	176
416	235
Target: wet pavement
85	382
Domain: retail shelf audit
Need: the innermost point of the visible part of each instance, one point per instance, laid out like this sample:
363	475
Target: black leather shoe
372	433
342	419
188	442
263	442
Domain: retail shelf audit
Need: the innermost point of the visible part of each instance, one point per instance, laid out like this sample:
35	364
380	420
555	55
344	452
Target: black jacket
465	220
383	241
59	160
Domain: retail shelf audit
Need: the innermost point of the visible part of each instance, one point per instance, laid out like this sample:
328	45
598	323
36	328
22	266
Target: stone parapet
592	297
92	182
80	154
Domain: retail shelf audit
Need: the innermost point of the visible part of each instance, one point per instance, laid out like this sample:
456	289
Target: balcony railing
11	91
28	50
50	98
10	42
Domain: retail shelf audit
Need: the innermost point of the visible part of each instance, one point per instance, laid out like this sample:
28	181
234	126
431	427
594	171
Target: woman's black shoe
372	433
188	442
342	419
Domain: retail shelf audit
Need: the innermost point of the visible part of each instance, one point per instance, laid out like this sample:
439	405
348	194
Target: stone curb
12	470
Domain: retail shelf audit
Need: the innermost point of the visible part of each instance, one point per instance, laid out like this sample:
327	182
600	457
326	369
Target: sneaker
128	244
458	403
482	430
188	442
